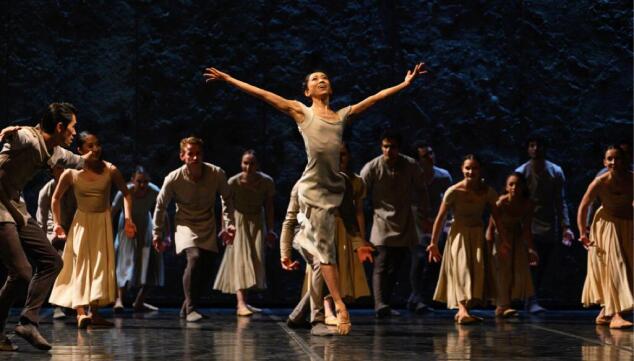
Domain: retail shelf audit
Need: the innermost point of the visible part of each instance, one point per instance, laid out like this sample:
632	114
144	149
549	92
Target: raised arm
119	182
292	108
373	99
65	181
582	213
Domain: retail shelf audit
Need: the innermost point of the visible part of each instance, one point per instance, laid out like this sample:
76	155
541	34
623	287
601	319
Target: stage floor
556	335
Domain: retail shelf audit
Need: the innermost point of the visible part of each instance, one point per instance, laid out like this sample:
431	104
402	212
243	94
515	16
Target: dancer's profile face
613	160
471	169
389	148
91	144
248	164
65	135
317	84
192	155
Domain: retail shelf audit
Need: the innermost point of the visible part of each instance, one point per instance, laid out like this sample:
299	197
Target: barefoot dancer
609	242
321	186
88	276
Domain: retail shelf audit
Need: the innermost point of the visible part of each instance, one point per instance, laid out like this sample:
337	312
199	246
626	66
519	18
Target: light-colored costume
512	272
463	272
138	263
321	187
88	275
609	279
242	265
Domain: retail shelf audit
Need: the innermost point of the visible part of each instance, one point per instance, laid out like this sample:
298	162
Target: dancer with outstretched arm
321	187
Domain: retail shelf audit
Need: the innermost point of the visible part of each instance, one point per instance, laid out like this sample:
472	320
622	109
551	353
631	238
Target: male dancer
193	187
436	180
392	179
26	151
545	182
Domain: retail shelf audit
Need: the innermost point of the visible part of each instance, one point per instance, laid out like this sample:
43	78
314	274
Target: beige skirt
512	273
465	269
609	275
242	265
88	274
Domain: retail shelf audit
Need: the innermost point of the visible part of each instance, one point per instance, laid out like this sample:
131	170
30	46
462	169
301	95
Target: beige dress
512	273
321	187
609	279
88	275
464	272
242	265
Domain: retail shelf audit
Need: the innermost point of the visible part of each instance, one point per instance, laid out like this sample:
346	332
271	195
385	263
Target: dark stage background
497	71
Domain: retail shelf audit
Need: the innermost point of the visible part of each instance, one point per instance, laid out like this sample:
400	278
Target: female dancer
609	242
512	276
88	276
138	263
321	186
242	265
463	273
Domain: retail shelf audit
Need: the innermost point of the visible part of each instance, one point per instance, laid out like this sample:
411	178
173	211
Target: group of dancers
88	264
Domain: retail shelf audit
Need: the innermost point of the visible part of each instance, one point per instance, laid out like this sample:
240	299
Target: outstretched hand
412	74
212	74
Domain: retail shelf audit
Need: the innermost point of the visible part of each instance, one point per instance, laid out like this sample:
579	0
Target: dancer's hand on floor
289	265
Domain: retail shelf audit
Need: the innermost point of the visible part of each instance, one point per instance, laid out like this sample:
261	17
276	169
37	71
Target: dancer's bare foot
499	311
243	311
619	322
602	319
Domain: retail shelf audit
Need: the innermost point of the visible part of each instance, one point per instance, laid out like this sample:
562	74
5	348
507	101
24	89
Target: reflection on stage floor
162	335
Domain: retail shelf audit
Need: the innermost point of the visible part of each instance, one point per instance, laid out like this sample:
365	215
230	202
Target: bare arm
432	249
119	182
373	99
291	108
582	213
65	181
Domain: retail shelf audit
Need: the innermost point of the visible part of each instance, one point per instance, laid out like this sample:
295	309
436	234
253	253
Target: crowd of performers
84	263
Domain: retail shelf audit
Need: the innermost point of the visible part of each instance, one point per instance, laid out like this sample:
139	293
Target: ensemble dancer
312	299
87	279
321	187
609	242
138	264
546	182
436	180
392	180
193	187
464	281
242	266
44	217
25	152
512	272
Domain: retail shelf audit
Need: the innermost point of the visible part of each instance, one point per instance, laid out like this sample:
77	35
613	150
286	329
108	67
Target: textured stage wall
497	71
